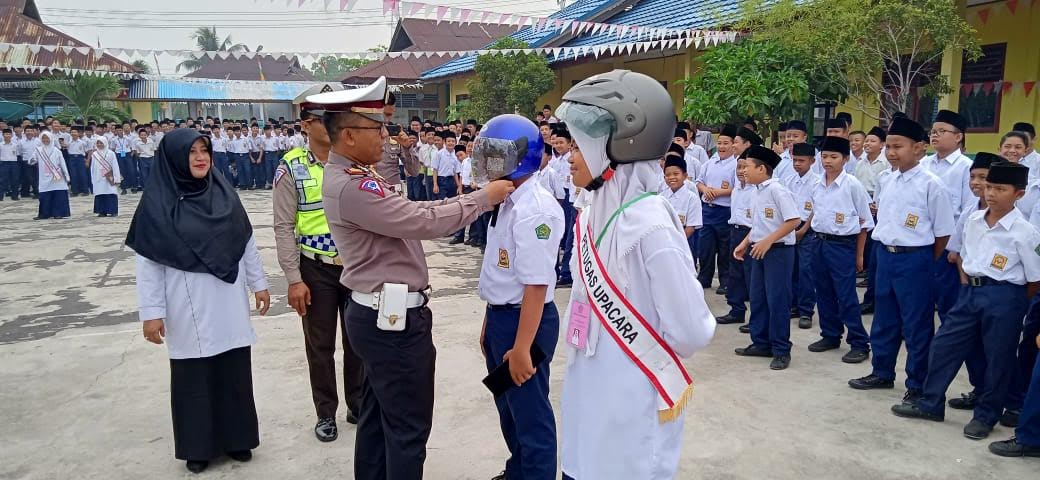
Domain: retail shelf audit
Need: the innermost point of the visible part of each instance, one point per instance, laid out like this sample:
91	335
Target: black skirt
213	408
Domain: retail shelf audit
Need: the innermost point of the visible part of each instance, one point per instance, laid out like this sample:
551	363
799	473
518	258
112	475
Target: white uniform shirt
203	315
1032	160
687	204
1006	252
121	145
28	147
79	146
719	173
522	246
841	208
957	237
955	172
53	172
695	158
801	186
219	143
255	143
743	198
784	171
446	164
145	149
9	151
270	143
913	209
867	172
1028	201
97	175
561	166
773	205
466	172
547	177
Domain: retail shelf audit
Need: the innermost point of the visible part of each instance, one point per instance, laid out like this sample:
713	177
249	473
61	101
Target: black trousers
326	311
397	398
213	408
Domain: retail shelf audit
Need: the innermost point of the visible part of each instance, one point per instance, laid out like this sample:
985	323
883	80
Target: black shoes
863	283
745	328
856	356
1011	448
754	351
326	430
241	455
805	323
911	411
977	430
728	319
794	313
455	241
197	466
1010	418
824	344
351	418
780	362
720	291
866	308
966	402
564	282
870	382
501	476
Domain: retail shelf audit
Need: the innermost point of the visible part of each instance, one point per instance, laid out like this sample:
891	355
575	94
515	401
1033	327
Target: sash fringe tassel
671	414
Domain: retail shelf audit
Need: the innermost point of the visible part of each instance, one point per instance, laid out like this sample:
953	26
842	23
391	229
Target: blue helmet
509	147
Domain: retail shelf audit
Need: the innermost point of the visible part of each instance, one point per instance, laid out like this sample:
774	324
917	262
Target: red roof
414	35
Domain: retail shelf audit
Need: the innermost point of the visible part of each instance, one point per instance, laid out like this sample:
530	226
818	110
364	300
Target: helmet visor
494	158
591	120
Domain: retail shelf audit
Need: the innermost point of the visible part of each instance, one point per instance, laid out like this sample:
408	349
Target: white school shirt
1028	201
53	172
203	315
145	149
157	137
957	237
547	178
1006	252
687	204
9	151
1033	162
841	208
270	143
743	198
254	143
801	186
562	167
850	166
97	175
78	146
219	143
241	145
955	172
466	171
522	246
719	173
784	171
122	145
695	157
446	164
913	209
867	172
28	147
773	205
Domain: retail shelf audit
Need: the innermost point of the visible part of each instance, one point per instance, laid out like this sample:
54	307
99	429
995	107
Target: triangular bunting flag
966	89
464	14
987	87
342	4
984	15
441	11
1012	5
1028	87
1006	87
415	7
976	88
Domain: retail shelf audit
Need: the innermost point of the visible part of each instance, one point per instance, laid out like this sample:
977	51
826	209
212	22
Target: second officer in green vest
312	267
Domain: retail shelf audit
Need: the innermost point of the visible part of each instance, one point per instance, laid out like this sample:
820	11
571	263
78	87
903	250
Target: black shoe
720	291
805	323
794	313
863	284
267	187
122	192
911	397
862	274
1010	418
455	241
351	418
870	382
197	466
780	362
866	309
745	328
753	351
326	430
966	402
728	319
912	411
501	476
976	430
564	282
39	218
241	455
856	356
824	344
1011	448
469	242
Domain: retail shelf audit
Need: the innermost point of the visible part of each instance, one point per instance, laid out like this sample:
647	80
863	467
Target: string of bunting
1004	87
1012	5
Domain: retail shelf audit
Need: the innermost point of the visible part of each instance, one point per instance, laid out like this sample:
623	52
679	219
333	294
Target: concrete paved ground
83	396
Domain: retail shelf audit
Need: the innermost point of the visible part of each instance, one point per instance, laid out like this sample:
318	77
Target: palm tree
142	67
91	97
207	40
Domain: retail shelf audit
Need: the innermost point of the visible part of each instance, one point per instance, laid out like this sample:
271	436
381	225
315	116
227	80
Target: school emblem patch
911	221
839	218
503	258
999	262
808	206
542	231
370	185
769	213
725	184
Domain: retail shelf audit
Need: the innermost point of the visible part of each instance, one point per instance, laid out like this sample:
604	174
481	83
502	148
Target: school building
994	92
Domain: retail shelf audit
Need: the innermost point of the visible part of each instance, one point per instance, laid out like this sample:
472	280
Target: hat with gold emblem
368	101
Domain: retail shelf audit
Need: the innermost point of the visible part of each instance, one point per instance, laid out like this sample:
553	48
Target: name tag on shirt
747	212
578	325
503	258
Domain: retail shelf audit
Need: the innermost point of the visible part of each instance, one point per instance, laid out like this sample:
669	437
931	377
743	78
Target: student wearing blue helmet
517	279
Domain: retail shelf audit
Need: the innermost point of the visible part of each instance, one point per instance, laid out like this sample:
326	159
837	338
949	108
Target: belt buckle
892	249
975	281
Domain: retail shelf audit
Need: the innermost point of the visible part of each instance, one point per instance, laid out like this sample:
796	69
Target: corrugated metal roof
274	69
215	90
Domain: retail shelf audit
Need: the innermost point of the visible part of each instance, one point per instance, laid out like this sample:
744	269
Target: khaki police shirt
285	198
380	233
388	165
410	158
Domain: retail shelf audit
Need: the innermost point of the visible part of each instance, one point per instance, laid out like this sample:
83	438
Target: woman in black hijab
196	256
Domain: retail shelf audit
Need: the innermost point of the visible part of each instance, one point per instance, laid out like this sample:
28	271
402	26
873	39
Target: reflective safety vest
312	229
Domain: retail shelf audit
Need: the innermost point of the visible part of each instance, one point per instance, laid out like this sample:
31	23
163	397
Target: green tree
875	52
508	82
90	97
142	67
332	69
207	40
749	78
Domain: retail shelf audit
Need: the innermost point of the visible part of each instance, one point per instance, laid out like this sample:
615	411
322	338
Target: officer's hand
520	366
499	190
154	330
263	301
299	297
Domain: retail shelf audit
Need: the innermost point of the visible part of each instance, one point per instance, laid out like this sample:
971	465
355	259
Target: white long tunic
53	172
204	316
610	427
98	170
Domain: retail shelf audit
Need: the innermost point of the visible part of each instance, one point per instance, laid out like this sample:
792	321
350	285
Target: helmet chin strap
603	177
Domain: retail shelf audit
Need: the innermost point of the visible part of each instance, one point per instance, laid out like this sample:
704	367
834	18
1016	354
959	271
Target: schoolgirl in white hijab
624	390
105	177
53	178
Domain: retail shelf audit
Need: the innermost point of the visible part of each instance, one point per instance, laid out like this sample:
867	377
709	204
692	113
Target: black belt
712	205
836	238
895	249
509	307
776	245
739	227
986	281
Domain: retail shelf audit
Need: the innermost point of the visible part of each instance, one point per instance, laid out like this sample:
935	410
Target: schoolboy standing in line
715	185
683	199
737	295
801	184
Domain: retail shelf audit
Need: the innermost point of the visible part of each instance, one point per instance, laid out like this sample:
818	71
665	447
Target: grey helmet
643	112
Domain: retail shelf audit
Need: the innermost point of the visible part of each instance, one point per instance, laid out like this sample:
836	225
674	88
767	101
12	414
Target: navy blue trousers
525	413
259	169
79	174
446	187
739	274
270	162
144	168
563	264
805	291
10	174
834	262
714	244
771	299
947	284
428	187
904	309
1027	355
128	170
993	315
870	261
245	169
1028	431
416	188
107	204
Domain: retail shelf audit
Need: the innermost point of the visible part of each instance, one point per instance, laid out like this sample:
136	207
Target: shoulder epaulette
357	172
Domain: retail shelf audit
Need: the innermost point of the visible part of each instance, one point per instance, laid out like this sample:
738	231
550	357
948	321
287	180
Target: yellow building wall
142	111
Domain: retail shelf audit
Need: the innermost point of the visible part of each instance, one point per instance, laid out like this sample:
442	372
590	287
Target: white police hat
368	101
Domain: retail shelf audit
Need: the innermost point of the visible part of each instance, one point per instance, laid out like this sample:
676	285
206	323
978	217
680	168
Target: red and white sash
630	331
53	169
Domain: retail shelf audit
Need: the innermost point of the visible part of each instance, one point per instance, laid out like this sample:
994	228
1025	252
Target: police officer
312	266
387	320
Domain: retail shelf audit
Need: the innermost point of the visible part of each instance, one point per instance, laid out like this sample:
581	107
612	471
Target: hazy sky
153	24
